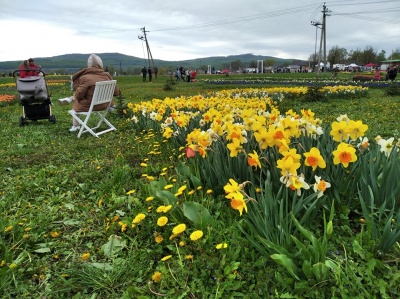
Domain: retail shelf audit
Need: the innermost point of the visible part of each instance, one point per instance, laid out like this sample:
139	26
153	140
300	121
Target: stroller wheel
21	121
52	119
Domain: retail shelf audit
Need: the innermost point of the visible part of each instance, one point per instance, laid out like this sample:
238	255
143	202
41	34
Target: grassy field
65	201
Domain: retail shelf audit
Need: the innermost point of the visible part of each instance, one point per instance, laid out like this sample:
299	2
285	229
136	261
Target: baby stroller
34	99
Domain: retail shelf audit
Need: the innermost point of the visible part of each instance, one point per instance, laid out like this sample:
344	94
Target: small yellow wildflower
139	217
182	243
196	235
221	245
166	258
180	228
85	256
150	198
162	221
130	192
167	187
156	277
8	228
54	234
189	257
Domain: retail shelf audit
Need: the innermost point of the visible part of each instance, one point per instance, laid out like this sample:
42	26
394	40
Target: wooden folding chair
103	93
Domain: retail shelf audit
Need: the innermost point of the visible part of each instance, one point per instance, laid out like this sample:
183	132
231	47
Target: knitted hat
94	61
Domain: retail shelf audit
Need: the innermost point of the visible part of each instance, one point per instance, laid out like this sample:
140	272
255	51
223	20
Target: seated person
23	69
83	85
34	68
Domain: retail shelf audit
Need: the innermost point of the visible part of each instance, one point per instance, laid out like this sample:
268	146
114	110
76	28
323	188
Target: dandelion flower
156	277
166	258
162	221
180	228
221	246
85	256
139	217
196	235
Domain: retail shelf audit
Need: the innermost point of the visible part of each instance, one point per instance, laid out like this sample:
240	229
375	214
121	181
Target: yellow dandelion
196	235
162	221
156	277
150	198
166	258
167	208
158	238
12	266
167	187
143	164
189	257
139	217
54	234
182	243
8	228
221	245
180	228
85	256
130	192
191	192
209	191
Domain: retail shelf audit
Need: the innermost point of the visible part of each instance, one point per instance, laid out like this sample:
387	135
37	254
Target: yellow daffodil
344	154
314	159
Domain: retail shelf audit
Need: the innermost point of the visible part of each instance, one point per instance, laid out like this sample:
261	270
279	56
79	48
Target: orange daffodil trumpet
314	159
344	154
235	192
320	186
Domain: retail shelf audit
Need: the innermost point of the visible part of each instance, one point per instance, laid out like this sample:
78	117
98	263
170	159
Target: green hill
120	63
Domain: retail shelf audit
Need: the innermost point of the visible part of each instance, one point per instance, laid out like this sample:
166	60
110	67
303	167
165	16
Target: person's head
26	63
31	61
95	61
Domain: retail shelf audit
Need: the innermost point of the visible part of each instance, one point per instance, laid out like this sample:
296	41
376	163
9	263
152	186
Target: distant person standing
177	75
149	71
155	72
144	73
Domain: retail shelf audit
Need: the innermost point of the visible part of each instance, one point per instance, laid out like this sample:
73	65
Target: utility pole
316	24
149	56
323	38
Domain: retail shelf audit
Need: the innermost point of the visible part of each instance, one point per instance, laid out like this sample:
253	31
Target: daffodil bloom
356	129
287	165
314	159
320	186
238	202
254	160
364	143
167	132
196	235
297	183
344	154
232	186
235	147
386	146
339	131
180	228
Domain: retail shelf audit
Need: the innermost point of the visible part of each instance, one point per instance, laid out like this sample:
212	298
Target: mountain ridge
70	63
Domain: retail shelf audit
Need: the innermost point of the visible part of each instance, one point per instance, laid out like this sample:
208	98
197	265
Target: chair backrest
103	92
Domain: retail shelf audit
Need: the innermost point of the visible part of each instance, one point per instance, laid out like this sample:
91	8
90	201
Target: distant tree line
337	55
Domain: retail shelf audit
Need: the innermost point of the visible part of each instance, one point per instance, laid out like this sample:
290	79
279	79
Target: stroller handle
30	70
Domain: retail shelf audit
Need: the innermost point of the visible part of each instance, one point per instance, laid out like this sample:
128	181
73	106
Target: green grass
59	193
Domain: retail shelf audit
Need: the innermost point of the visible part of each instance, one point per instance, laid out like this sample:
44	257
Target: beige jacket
83	85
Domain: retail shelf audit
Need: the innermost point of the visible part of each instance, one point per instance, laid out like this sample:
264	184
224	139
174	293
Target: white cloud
180	30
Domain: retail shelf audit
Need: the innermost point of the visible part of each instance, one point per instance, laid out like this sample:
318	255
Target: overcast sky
183	29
